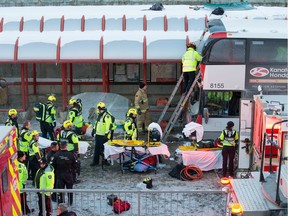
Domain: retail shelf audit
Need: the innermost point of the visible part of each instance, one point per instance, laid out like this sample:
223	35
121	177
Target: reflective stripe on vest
229	138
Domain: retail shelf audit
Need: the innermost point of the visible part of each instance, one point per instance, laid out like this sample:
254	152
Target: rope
188	173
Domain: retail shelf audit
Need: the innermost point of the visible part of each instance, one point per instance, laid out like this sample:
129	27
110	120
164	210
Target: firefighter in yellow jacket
103	131
190	60
130	125
142	106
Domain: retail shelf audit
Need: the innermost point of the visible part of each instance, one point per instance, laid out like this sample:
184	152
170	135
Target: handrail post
262	159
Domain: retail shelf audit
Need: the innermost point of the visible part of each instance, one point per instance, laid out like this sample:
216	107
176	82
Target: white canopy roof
105	33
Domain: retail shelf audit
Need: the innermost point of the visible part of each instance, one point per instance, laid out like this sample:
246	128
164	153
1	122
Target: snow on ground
112	179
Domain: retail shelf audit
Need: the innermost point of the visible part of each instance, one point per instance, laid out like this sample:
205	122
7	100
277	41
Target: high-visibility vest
190	60
70	138
130	128
23	175
229	138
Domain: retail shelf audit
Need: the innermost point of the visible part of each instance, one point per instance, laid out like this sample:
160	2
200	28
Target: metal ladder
170	99
181	104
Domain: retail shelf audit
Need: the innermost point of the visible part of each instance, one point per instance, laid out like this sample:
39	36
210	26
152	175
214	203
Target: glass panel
126	72
222	103
163	72
268	51
4	180
228	51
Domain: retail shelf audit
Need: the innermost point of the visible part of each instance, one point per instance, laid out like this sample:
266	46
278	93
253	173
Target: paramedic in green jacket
130	126
24	139
23	177
47	126
75	115
190	59
102	131
229	138
35	155
68	135
45	179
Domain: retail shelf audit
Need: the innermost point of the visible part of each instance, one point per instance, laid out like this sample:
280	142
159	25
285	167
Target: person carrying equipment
190	60
130	125
229	138
12	120
103	131
142	107
48	124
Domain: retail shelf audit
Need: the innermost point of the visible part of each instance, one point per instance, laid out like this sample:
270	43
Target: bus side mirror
206	114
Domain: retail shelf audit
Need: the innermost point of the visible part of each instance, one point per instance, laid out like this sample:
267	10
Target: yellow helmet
72	101
67	124
52	98
132	111
34	132
12	112
101	105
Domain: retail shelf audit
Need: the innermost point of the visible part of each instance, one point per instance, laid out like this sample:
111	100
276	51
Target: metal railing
144	202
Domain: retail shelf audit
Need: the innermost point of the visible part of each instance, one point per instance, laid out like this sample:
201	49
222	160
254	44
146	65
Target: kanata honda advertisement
271	78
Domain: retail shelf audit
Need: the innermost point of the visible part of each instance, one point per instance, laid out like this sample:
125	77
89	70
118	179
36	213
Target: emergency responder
229	138
75	115
69	136
12	120
54	147
190	60
48	125
44	179
23	177
65	164
130	125
35	156
142	106
24	140
103	131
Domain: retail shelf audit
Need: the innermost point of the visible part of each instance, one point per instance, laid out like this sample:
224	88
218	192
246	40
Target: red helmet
191	44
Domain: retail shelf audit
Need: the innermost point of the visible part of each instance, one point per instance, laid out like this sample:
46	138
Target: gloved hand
93	133
139	111
108	136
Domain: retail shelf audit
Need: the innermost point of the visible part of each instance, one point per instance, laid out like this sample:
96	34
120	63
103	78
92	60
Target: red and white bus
238	56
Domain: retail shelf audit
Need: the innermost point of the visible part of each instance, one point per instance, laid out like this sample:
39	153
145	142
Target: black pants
34	166
228	152
48	205
24	207
188	80
47	128
99	148
65	180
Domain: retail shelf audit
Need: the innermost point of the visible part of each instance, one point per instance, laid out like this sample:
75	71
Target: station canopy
105	33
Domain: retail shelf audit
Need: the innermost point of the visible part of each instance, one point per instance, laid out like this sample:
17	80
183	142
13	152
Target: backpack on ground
40	111
119	206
